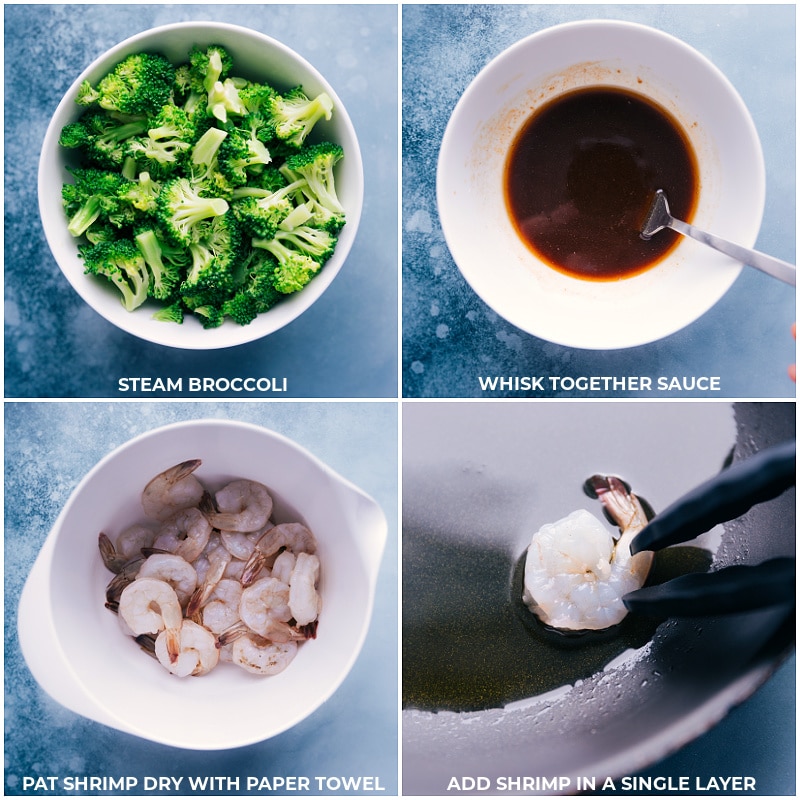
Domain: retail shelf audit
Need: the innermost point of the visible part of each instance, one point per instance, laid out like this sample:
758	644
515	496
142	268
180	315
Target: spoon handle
772	266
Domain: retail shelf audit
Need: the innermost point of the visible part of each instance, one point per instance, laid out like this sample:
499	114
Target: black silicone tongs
728	495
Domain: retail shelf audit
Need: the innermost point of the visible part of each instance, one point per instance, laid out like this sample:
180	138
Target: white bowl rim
190	335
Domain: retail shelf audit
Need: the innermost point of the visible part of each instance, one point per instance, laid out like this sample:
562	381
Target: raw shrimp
221	611
293	536
197	653
172	490
575	574
261	656
304	600
242	507
217	564
133	539
185	534
241	545
283	566
151	606
264	604
172	569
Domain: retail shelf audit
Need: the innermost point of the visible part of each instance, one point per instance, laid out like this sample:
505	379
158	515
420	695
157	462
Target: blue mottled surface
344	346
450	336
49	447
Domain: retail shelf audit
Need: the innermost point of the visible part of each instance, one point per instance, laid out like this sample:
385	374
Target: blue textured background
344	346
49	447
450	336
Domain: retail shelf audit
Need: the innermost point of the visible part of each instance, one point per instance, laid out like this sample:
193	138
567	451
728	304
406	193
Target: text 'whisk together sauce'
581	174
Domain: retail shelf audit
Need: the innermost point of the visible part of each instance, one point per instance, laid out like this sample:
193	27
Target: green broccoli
168	142
94	195
257	293
313	242
315	163
180	207
242	152
293	115
165	277
121	263
140	84
216	254
171	313
195	187
293	269
141	193
101	138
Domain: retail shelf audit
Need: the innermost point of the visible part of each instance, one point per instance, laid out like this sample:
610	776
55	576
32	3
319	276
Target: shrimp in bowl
577	571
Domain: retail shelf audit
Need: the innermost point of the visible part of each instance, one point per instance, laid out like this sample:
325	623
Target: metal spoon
658	218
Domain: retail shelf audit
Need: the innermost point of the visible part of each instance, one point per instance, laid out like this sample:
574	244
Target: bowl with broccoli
200	185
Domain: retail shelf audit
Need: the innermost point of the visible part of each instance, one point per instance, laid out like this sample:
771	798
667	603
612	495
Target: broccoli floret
139	84
293	270
293	115
256	220
171	313
267	204
207	66
122	264
257	294
101	138
180	208
256	98
141	193
168	142
315	163
164	277
242	151
94	195
313	242
211	278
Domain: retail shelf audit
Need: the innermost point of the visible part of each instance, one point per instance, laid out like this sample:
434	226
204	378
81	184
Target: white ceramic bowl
255	56
490	254
77	652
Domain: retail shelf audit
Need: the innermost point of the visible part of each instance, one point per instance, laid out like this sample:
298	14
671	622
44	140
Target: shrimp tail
111	559
173	642
182	470
622	505
231	634
309	631
253	566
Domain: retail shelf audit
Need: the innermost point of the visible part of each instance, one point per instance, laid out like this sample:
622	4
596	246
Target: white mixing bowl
257	57
74	645
470	184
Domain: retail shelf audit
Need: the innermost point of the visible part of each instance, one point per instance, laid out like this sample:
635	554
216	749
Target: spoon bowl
659	217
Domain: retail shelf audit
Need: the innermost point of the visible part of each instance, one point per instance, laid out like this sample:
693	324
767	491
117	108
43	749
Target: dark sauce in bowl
580	176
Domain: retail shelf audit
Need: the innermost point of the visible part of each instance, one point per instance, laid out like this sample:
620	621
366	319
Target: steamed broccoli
294	269
315	163
180	207
198	188
294	114
93	195
121	263
102	139
167	144
140	84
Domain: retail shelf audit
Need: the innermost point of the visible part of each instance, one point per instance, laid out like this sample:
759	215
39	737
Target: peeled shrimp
261	656
172	569
264	605
304	601
185	534
131	541
242	507
221	611
575	574
151	606
293	536
283	566
197	653
172	490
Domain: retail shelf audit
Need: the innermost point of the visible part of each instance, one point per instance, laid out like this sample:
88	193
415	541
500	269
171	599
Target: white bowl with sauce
256	57
77	652
522	287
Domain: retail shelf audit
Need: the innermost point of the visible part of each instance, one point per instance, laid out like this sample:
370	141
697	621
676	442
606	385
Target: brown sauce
581	174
